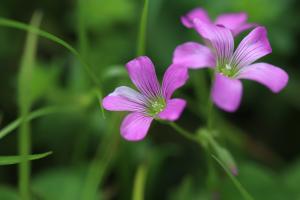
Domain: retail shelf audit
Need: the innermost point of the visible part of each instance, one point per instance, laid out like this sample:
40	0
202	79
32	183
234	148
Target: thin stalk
141	44
24	103
184	132
140	182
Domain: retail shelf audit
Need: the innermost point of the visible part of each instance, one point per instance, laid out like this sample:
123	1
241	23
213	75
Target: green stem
140	182
184	132
141	47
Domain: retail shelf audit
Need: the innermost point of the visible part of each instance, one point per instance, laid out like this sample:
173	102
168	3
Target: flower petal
124	99
173	109
142	73
227	92
174	78
197	13
254	46
135	126
271	76
220	39
236	22
193	55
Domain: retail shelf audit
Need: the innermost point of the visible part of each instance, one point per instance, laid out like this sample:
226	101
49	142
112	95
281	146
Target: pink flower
236	22
151	101
231	66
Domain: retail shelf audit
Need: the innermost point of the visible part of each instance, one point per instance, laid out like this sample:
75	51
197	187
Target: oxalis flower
236	22
152	101
231	66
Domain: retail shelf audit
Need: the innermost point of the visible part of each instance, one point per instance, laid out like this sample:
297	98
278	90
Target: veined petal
173	109
193	55
254	46
227	93
174	77
236	22
220	39
197	13
124	99
271	76
135	126
142	73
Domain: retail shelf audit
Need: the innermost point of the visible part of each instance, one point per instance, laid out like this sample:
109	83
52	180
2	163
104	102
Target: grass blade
141	45
10	160
139	182
24	103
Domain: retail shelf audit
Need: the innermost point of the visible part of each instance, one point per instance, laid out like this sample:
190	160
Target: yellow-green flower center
156	106
227	70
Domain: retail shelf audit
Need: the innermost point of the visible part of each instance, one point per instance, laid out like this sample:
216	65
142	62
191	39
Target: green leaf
10	160
8	193
60	184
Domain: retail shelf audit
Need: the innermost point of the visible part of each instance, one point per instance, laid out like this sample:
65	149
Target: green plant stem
141	44
139	182
184	132
24	102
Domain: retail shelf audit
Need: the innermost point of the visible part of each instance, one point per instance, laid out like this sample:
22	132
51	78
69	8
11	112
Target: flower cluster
230	66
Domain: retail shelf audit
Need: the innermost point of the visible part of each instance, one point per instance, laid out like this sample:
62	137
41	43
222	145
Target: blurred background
90	160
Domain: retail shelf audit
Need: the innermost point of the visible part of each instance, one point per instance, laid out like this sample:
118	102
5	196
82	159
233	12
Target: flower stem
184	132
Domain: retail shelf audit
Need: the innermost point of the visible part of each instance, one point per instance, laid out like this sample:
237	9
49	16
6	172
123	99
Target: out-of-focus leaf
10	160
101	14
59	184
291	179
261	182
8	193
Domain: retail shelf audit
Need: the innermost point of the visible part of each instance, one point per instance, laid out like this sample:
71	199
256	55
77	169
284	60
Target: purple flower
236	22
151	102
231	66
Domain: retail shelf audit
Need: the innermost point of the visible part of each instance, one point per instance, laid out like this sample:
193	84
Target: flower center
156	106
227	70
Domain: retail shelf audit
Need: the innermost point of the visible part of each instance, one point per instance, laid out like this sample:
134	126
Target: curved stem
188	135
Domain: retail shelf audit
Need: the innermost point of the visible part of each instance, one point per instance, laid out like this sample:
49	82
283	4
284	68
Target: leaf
60	184
8	193
10	160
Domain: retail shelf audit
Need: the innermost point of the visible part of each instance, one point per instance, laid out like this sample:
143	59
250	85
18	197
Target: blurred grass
25	102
